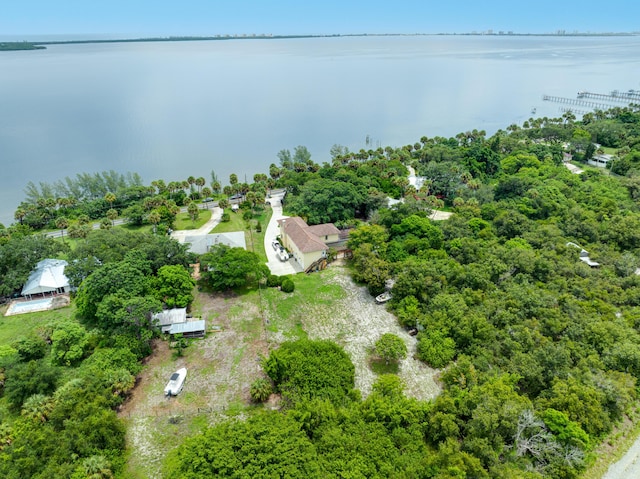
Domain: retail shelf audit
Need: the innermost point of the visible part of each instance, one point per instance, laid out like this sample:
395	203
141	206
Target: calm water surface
171	110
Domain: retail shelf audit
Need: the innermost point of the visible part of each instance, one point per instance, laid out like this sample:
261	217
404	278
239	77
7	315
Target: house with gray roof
201	244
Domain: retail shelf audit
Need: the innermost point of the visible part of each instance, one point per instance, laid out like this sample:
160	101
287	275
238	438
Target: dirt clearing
358	323
222	366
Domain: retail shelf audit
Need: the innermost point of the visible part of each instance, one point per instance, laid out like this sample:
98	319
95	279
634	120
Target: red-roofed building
307	244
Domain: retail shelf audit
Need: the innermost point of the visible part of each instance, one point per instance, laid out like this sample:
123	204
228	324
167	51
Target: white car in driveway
282	254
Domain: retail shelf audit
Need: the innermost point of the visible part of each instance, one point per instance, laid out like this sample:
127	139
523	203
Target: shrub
261	389
304	369
258	227
390	347
225	218
287	285
30	347
274	281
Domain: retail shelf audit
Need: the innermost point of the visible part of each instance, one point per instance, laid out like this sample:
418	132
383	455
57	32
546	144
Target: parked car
283	255
276	246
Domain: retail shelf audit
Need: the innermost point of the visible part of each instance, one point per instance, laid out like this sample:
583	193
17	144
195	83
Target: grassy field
184	222
19	325
314	299
253	238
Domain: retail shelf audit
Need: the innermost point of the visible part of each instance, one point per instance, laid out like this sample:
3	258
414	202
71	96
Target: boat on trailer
176	382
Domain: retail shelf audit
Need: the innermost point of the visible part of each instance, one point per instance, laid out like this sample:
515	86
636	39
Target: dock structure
564	109
578	102
614	96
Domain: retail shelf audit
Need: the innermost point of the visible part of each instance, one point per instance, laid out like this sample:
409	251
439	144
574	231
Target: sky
21	20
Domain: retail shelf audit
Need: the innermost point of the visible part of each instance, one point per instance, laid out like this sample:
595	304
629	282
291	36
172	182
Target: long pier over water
577	102
615	95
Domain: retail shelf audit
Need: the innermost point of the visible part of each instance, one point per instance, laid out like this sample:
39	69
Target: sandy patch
362	323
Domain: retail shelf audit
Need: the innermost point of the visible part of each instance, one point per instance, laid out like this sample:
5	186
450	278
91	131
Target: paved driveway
216	215
277	267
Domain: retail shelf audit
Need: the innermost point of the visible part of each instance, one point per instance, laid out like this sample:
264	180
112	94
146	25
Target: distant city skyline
143	18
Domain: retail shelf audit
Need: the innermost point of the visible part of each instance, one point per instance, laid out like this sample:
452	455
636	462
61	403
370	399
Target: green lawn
14	327
314	299
184	222
254	240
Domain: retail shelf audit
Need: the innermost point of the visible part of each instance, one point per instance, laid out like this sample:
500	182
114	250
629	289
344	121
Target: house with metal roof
307	244
168	317
47	277
189	329
201	244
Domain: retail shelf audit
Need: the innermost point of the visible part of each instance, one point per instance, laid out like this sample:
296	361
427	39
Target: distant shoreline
39	45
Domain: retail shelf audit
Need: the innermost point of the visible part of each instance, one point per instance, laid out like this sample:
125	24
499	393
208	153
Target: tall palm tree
200	182
112	214
20	214
154	218
110	198
61	224
191	180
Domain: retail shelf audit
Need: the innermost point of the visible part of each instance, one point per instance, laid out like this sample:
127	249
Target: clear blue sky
134	18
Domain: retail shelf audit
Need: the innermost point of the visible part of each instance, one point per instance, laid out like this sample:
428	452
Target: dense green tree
436	348
173	285
311	369
269	444
225	267
126	278
390	347
327	201
70	343
19	254
25	379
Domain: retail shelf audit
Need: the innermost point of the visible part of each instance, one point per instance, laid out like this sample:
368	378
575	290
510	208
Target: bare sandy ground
222	367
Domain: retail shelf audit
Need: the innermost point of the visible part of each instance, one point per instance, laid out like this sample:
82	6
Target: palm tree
110	198
112	214
20	214
97	467
37	407
200	182
154	218
193	210
61	224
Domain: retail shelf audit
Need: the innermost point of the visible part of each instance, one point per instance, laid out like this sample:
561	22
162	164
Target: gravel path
628	467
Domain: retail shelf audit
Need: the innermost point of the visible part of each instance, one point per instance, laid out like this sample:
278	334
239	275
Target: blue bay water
172	110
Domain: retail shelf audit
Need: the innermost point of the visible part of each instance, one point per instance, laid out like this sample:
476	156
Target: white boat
384	297
176	382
